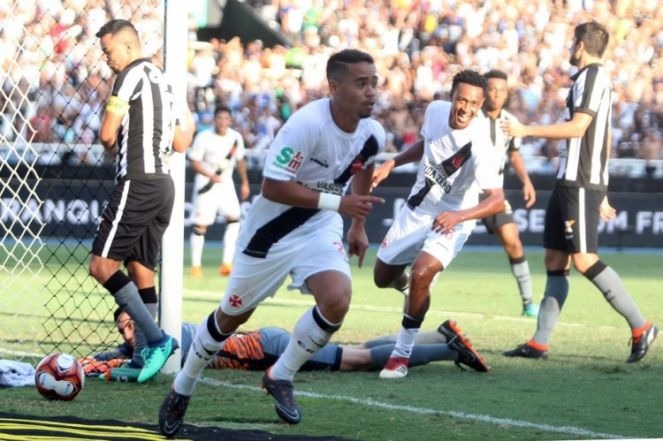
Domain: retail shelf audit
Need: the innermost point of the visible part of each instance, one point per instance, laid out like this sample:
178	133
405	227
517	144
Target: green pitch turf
584	391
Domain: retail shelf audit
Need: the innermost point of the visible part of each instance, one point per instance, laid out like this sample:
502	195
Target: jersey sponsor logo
325	187
435	173
440	173
289	159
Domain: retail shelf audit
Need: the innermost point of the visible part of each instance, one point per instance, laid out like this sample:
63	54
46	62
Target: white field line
20	353
486	419
210	295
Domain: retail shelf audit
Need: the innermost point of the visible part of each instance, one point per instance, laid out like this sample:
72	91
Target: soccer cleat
531	310
526	351
640	345
396	367
196	271
457	341
155	356
172	413
225	269
284	401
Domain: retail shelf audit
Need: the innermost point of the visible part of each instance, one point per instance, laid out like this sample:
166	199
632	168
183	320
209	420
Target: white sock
197	244
405	342
229	241
203	348
306	339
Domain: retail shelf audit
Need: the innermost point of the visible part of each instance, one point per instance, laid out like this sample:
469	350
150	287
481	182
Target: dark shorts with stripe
134	220
572	220
492	223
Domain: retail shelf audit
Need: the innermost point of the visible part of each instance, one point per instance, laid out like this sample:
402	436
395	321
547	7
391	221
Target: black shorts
134	220
572	220
492	223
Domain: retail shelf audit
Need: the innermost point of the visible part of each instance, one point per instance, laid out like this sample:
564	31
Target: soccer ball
59	377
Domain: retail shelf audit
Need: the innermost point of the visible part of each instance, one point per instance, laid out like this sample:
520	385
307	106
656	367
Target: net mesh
54	177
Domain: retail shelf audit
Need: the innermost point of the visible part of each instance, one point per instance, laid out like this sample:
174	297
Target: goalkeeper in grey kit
214	155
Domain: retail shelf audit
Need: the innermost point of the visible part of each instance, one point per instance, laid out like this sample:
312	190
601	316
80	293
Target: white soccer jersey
311	150
453	161
218	152
502	142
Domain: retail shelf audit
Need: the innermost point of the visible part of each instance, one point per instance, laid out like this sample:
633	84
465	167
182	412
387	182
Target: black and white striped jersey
584	161
503	143
147	129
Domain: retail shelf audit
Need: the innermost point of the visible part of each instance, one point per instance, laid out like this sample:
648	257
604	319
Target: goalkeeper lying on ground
257	350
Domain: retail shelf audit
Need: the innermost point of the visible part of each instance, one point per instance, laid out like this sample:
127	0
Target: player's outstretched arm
575	128
296	195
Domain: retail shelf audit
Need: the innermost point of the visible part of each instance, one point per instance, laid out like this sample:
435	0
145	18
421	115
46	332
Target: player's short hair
496	73
594	35
117	312
337	65
470	77
115	26
221	108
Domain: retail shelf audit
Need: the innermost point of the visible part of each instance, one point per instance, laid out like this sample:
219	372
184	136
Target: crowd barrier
66	207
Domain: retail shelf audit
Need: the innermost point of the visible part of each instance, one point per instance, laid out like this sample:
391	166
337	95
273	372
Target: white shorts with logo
412	232
221	200
300	256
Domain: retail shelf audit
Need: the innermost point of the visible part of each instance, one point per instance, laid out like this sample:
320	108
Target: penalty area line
487	419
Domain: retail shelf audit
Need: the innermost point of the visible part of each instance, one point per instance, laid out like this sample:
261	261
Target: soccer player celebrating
457	161
294	228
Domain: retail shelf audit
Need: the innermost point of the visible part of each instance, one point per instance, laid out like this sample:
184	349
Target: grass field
584	391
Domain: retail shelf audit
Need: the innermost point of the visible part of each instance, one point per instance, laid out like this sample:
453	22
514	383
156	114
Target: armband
117	105
328	201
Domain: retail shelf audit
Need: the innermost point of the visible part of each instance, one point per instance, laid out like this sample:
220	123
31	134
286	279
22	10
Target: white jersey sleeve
200	141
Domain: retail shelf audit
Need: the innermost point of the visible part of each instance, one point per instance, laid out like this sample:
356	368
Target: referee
140	128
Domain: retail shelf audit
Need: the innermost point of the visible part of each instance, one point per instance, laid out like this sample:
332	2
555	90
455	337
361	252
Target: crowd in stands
418	46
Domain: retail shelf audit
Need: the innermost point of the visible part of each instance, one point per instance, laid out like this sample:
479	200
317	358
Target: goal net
54	177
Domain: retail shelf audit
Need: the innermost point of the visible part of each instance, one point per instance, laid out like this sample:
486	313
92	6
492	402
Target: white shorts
412	233
300	256
221	200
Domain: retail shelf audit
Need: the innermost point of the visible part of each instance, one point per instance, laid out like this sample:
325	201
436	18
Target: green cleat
531	310
155	356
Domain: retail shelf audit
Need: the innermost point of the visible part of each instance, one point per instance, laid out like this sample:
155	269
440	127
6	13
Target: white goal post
172	261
